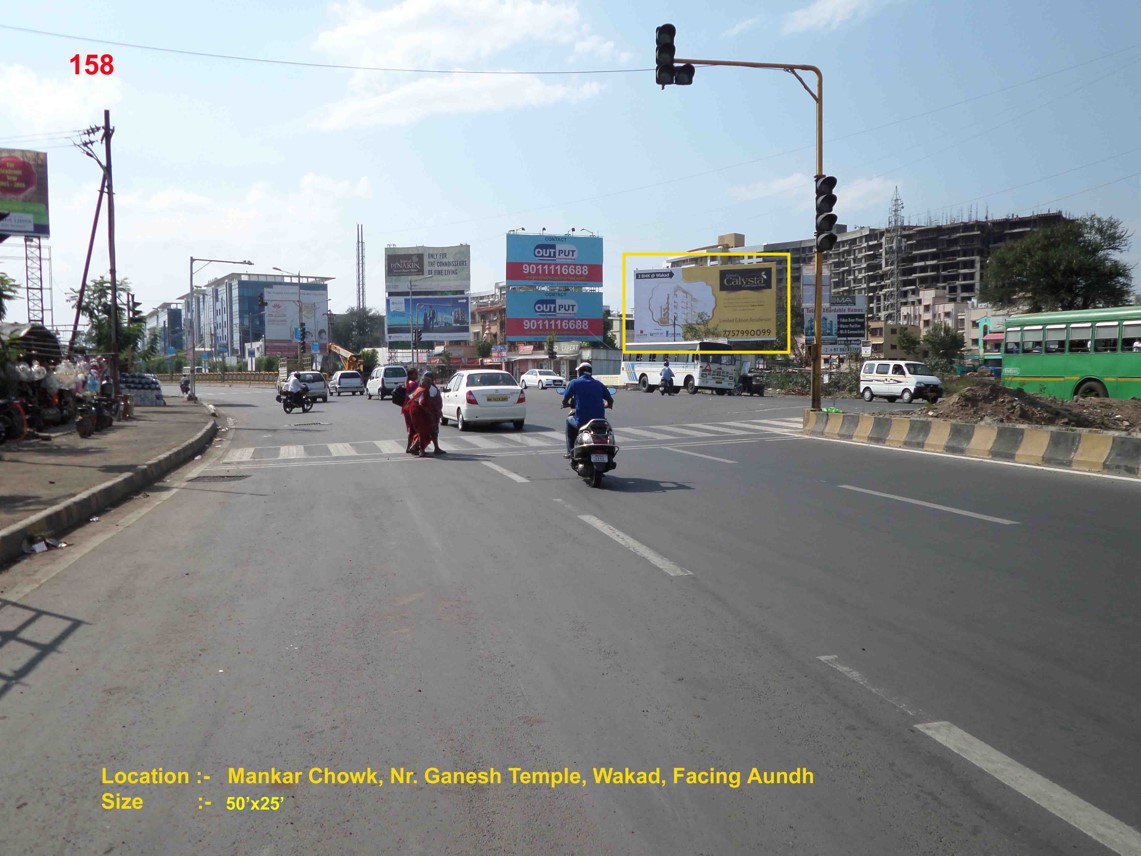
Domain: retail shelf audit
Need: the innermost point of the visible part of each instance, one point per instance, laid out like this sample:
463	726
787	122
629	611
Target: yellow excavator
349	360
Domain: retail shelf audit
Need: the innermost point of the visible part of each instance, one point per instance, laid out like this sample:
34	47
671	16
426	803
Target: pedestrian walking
434	404
410	386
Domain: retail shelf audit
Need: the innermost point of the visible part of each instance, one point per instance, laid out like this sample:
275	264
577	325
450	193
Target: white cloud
865	194
405	105
33	104
792	187
742	26
447	34
825	15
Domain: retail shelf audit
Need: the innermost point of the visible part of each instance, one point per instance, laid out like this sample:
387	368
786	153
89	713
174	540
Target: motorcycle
184	385
594	450
95	413
291	400
666	387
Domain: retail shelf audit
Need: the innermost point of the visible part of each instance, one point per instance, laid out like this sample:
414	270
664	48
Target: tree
8	291
1068	266
944	344
96	308
608	338
483	348
356	329
700	329
909	342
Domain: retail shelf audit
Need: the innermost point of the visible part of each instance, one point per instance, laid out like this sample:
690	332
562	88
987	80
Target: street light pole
194	316
818	97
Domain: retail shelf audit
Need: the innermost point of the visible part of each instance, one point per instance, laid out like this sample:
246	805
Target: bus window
1105	337
1131	337
1011	343
1079	338
1056	339
1031	340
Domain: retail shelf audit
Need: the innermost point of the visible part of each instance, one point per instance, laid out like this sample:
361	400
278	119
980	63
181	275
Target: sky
234	141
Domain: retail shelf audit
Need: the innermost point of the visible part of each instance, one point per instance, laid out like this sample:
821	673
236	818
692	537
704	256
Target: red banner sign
587	328
555	272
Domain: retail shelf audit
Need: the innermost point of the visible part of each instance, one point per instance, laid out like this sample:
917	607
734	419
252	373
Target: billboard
571	315
23	193
558	261
437	318
738	300
449	269
281	319
840	324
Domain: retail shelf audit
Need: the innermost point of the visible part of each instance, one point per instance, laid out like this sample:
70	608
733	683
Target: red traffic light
665	34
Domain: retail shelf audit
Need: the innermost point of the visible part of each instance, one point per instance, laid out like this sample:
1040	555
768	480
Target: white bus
693	370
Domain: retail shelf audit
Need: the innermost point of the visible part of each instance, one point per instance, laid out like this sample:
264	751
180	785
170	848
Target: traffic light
667	73
304	334
261	300
825	219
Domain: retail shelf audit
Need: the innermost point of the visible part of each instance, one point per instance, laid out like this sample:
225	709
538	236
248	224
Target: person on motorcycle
590	399
294	388
667	375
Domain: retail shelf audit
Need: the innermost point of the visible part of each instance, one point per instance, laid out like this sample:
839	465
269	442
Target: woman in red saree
410	385
419	417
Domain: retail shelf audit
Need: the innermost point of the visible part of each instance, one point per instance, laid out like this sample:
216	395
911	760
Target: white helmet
584	368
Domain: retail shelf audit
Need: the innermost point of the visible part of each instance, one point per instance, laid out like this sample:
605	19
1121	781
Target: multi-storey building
165	321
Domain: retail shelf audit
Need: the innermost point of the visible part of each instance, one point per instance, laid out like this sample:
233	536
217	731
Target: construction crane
349	360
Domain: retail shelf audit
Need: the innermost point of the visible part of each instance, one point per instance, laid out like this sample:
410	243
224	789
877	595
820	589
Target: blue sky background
1004	108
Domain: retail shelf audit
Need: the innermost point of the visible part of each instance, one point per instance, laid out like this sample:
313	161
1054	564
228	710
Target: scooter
667	387
594	450
184	385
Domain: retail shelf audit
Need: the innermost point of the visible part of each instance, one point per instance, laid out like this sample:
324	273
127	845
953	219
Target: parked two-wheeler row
95	413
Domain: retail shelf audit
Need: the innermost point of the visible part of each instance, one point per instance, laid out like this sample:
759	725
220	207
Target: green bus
1090	352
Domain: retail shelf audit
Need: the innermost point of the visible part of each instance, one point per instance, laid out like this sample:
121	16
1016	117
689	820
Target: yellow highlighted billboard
738	300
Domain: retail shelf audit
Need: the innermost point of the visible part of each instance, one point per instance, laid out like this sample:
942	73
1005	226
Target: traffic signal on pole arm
304	334
668	73
261	300
825	219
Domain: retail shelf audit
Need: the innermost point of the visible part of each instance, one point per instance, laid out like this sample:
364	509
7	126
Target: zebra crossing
517	441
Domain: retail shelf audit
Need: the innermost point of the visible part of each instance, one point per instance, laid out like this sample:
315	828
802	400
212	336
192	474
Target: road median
1087	450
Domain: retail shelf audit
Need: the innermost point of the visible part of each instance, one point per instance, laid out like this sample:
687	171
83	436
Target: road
948	647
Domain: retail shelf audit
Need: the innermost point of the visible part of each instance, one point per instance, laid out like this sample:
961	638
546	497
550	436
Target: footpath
50	486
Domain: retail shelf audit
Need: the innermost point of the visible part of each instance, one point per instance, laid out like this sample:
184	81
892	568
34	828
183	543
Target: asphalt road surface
942	652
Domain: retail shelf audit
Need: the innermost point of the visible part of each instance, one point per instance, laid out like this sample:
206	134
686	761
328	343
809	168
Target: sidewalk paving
47	487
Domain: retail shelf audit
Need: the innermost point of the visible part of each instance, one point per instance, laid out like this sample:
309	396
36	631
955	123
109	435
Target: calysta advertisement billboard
572	316
554	261
739	300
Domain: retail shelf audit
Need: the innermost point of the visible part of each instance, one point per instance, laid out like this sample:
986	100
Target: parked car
899	379
542	378
484	395
384	379
347	381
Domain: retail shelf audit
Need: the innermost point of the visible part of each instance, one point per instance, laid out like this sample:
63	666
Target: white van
384	379
899	379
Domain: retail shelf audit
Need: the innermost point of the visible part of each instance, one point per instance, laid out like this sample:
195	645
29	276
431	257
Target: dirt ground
991	403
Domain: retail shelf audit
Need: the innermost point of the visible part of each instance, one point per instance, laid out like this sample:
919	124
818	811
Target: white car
384	380
542	378
484	395
347	381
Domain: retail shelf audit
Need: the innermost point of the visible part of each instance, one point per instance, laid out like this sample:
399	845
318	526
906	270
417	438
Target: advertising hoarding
532	316
281	319
448	267
559	261
739	300
24	193
840	324
437	318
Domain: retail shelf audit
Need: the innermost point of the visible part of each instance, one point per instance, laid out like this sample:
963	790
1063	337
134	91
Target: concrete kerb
58	519
1085	450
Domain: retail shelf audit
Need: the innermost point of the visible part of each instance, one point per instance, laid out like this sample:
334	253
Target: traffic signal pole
818	97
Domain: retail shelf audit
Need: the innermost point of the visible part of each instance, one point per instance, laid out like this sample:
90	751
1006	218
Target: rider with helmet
294	388
590	400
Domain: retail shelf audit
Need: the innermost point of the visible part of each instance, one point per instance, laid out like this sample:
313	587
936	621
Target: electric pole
107	132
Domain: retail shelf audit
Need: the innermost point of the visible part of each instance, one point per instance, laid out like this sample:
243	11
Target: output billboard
572	316
554	261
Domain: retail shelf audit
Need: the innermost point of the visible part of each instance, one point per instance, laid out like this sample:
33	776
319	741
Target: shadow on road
27	636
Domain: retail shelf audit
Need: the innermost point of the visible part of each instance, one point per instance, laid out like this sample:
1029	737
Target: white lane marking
1075	811
505	472
830	660
643	434
240	454
654	558
685	432
1001	520
390	447
526	440
342	449
699	455
291	452
719	429
482	442
752	428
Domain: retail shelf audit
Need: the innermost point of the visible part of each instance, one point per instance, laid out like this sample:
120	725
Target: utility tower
894	248
34	279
